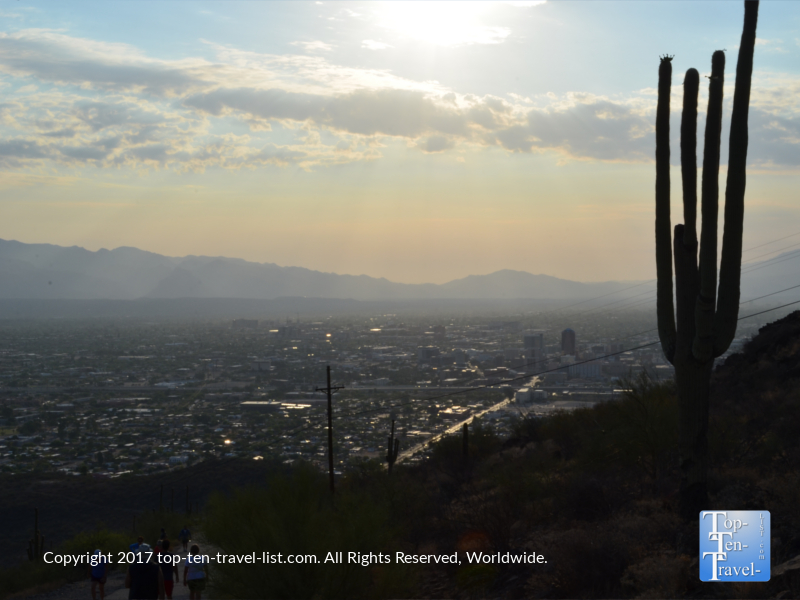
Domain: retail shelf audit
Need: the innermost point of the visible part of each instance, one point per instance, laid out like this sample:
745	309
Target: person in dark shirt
144	578
184	536
169	570
98	575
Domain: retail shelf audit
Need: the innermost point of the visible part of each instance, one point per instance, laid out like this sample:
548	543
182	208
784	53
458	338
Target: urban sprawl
113	398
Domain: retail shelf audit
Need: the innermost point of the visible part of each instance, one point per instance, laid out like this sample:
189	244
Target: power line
751	260
772	242
768	295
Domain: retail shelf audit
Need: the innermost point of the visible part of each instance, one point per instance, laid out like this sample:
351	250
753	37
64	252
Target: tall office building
568	342
534	350
534	341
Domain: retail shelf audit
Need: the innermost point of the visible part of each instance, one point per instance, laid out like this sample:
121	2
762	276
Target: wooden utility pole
330	391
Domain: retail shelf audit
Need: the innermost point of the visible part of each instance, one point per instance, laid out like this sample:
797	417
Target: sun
444	23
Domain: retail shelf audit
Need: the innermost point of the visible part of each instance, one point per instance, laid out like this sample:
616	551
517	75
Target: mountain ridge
48	271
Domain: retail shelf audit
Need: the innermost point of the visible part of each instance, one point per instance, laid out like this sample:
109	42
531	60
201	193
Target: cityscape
504	291
117	398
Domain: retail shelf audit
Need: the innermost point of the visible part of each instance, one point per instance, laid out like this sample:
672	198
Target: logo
734	545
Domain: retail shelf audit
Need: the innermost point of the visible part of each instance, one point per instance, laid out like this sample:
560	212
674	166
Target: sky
416	141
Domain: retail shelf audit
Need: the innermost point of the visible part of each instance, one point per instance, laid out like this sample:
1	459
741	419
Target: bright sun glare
446	23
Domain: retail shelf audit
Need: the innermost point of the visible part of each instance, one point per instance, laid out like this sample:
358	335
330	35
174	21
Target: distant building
261	405
539	396
523	395
568	341
534	341
587	370
426	353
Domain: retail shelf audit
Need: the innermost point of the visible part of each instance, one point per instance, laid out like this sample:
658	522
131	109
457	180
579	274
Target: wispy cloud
373	45
313	46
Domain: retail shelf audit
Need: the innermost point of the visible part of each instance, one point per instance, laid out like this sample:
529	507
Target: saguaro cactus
706	316
36	545
393	449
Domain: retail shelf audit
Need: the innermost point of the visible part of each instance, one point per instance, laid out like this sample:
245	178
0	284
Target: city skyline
419	142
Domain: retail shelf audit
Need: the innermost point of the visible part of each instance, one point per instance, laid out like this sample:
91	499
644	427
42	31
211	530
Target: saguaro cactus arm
691	86
731	264
706	302
664	303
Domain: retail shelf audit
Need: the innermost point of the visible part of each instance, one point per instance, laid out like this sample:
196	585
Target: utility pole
330	391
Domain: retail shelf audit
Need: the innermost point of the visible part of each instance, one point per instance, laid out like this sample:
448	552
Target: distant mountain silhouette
46	271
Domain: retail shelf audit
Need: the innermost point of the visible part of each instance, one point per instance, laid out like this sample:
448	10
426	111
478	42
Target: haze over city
417	142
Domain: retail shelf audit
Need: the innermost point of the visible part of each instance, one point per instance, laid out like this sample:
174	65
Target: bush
29	575
102	538
39	576
149	525
295	514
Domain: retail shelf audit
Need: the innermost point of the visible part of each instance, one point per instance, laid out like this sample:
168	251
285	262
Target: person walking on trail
144	578
161	537
169	568
185	535
136	545
98	574
195	573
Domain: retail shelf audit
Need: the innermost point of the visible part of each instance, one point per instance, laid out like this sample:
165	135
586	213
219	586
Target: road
456	428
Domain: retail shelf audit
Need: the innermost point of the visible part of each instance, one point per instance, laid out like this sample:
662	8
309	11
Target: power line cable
772	242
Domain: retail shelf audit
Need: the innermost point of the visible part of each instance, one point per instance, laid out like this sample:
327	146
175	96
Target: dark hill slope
68	505
756	396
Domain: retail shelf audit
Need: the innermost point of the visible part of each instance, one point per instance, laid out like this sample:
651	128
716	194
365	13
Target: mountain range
46	271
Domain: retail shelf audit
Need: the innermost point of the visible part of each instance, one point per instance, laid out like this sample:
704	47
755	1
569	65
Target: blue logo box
734	545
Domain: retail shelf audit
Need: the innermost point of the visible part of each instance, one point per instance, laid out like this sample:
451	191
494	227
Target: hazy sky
417	141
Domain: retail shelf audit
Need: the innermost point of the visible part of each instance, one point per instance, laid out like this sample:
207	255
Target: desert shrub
101	538
39	576
639	430
150	523
31	575
295	514
582	498
526	428
599	555
658	577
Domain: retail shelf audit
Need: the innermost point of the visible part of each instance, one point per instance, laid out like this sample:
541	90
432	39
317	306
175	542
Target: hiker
162	536
98	575
169	568
195	573
144	579
184	536
136	545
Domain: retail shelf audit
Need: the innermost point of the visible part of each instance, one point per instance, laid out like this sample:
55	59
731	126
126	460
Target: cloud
109	105
437	143
313	46
373	45
55	57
